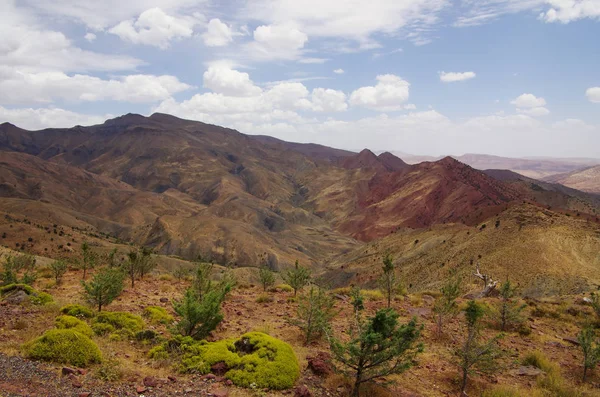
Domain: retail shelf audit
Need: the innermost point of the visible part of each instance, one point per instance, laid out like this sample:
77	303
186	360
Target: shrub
200	315
266	277
70	322
146	335
109	371
121	334
264	298
314	314
58	268
106	285
77	311
102	329
297	277
63	346
158	315
253	359
373	295
388	282
284	288
121	320
35	297
539	360
508	311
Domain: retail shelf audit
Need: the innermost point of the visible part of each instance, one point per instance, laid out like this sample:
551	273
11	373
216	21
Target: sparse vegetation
90	258
77	311
508	311
388	281
297	277
64	346
157	315
445	306
105	286
59	268
267	278
314	314
590	349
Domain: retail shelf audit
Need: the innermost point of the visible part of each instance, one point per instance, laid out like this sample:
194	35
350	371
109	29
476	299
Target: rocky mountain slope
587	180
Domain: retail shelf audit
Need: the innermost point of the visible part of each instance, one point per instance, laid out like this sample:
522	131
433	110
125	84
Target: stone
320	364
220	393
85	394
219	369
571	340
172	378
529	370
150	381
428	299
81	371
68	371
76	383
140	389
164	300
16	298
302	391
209	377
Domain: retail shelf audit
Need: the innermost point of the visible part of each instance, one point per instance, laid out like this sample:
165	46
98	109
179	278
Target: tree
475	353
378	347
266	276
13	265
139	263
111	259
489	284
202	282
104	287
445	306
199	316
58	268
314	314
90	258
590	349
595	303
508	310
388	282
297	277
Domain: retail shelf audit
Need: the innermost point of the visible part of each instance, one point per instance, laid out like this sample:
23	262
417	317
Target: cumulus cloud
338	71
328	100
89	36
389	94
565	11
593	94
24	88
155	28
528	101
224	80
535	112
451	77
277	41
35	119
217	34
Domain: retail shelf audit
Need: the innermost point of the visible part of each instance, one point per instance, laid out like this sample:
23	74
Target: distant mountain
587	179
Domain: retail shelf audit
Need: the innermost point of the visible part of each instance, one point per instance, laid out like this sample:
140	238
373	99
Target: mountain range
186	188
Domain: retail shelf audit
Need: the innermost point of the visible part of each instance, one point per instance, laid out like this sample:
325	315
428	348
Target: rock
220	393
209	377
302	391
172	378
75	382
149	381
140	389
68	371
228	382
571	340
320	364
528	370
85	394
428	299
164	300
81	371
219	368
423	312
16	298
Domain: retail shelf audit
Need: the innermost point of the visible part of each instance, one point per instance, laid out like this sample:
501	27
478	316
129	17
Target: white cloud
89	36
565	11
22	87
156	28
347	19
528	101
328	100
338	71
389	94
535	112
218	34
479	12
231	82
451	77
278	41
99	15
593	94
313	60
35	119
28	46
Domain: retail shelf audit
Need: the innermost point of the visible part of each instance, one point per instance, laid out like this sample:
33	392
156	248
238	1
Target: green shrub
77	311
539	360
254	358
102	329
157	315
504	391
284	288
35	297
264	298
146	335
121	335
70	322
121	320
109	371
63	346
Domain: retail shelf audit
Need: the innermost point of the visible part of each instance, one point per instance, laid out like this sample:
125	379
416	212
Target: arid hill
587	180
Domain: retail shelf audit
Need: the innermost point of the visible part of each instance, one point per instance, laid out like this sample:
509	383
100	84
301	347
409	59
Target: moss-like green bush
121	320
35	297
146	335
121	334
77	311
63	346
254	358
284	288
70	322
157	315
102	329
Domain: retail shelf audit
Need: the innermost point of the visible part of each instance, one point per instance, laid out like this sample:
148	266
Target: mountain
587	180
187	188
532	167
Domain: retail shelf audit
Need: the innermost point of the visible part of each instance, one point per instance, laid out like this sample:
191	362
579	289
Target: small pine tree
139	263
14	265
314	314
104	287
378	347
595	303
90	258
297	278
203	279
590	349
58	268
9	273
111	258
388	283
475	353
508	310
267	278
445	306
199	316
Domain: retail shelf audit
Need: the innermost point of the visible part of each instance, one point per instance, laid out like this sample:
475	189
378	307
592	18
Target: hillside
587	180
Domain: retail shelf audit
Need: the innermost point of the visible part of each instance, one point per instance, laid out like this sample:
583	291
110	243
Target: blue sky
505	77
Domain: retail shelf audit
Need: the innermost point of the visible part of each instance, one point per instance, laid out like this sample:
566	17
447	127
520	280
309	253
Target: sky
430	77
